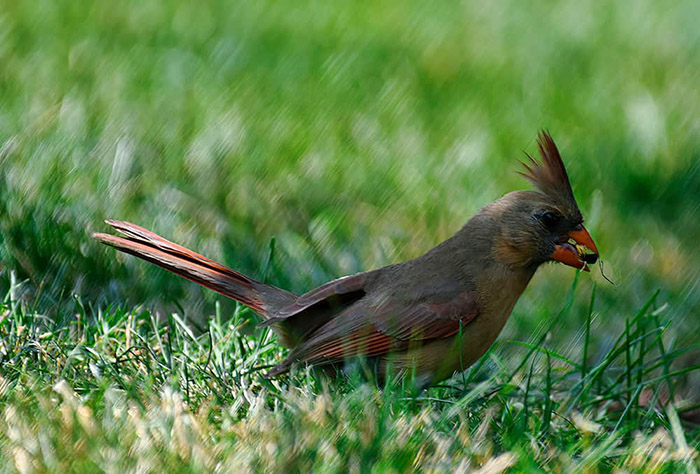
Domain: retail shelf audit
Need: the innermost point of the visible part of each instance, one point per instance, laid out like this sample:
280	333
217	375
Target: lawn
302	141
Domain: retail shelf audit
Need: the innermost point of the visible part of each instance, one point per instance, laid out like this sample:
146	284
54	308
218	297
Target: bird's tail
264	299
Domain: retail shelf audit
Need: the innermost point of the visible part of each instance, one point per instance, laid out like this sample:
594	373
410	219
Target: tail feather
153	248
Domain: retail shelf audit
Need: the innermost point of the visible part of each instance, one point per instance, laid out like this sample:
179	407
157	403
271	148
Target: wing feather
337	295
375	330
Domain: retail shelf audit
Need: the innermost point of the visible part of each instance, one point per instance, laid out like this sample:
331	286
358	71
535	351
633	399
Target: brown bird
411	316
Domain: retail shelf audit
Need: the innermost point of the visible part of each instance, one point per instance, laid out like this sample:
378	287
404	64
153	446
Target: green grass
126	389
354	135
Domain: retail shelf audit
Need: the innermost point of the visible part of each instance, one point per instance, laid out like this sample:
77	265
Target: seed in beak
584	255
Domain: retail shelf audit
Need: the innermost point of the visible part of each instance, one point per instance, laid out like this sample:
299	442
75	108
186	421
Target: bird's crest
549	175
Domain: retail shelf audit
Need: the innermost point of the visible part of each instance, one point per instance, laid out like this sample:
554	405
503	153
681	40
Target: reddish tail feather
142	243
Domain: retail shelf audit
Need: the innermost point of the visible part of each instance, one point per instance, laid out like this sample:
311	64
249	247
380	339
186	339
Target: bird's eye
549	219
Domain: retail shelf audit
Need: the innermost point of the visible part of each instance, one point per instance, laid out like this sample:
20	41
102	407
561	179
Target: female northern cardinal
411	316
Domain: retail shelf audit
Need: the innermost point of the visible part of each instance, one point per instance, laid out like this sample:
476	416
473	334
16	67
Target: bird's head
543	225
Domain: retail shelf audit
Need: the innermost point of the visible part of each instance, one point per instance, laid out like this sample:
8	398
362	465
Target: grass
300	142
135	391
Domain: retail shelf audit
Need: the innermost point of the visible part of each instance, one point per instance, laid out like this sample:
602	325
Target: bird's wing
316	308
335	295
426	320
375	329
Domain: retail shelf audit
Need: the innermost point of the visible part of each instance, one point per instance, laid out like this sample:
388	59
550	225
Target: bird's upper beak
575	253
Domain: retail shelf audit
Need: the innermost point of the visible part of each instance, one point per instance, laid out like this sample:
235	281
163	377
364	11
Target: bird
430	317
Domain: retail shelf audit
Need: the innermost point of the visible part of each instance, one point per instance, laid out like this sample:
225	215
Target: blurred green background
356	134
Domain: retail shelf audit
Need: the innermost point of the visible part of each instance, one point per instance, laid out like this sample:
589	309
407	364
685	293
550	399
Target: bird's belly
440	359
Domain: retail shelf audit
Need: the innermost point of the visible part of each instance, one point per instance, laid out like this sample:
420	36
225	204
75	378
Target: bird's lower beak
575	253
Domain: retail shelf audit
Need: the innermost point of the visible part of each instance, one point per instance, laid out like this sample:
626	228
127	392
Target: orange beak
575	255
